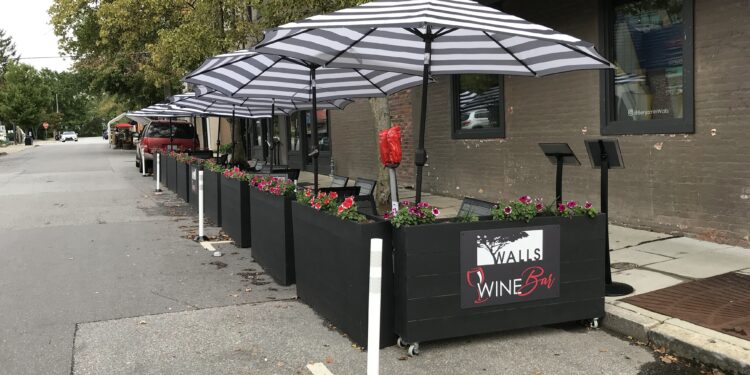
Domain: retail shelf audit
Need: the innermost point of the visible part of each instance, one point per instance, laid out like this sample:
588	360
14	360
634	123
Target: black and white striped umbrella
430	37
189	102
251	74
161	110
283	106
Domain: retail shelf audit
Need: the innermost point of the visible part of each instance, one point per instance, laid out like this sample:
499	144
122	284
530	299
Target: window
651	88
478	108
324	141
294	126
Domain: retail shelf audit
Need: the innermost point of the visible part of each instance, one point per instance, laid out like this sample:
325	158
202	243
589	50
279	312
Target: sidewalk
651	261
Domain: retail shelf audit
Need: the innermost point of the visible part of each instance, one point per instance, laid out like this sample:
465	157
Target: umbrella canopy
210	97
188	102
431	37
160	110
250	74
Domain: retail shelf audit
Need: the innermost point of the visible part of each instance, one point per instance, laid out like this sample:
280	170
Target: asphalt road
98	276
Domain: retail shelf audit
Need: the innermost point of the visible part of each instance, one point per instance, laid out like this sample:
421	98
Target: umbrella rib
349	47
282	39
605	62
256	76
443	32
218	66
373	85
510	53
415	32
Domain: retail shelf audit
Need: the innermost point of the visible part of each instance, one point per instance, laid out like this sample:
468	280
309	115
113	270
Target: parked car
69	136
476	119
156	136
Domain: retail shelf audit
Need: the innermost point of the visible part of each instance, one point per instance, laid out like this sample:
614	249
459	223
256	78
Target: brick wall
696	184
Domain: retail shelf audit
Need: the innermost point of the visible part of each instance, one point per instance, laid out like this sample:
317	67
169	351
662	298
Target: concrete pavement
99	277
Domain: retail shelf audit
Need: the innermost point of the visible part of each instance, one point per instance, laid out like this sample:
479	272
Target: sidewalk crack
648	241
175	300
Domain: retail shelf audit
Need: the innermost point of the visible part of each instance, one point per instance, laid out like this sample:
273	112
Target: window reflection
648	39
479	101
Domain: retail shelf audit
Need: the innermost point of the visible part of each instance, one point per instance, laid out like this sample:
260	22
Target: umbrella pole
314	125
420	156
271	144
171	135
232	133
218	137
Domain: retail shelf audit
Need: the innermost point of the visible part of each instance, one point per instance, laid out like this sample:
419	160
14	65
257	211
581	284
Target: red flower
572	204
341	209
588	205
308	193
333	195
348	202
539	207
326	201
507	210
561	208
317	205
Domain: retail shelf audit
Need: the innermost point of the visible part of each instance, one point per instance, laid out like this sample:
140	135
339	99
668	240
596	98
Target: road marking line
319	369
208	245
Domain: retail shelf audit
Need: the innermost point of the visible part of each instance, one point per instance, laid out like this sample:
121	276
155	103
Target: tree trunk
382	114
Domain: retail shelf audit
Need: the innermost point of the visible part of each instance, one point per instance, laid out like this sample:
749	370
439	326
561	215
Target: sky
27	22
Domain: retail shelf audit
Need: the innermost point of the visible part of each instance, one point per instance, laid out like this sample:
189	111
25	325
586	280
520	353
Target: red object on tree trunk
390	146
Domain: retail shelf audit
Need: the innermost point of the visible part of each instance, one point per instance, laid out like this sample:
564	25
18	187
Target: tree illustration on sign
496	244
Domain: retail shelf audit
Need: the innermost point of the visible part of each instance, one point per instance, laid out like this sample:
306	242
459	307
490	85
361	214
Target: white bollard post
143	163
158	172
373	314
201	235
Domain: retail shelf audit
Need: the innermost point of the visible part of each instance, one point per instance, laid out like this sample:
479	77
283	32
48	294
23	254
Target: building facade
678	104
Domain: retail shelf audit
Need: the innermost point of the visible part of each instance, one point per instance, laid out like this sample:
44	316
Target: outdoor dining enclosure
449	277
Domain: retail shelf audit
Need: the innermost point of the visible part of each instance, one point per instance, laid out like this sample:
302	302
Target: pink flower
386	216
341	209
333	195
561	208
423	204
588	205
317	205
572	204
525	199
405	203
507	210
539	207
435	211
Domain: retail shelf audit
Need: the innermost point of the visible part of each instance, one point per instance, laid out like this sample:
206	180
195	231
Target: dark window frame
488	133
609	126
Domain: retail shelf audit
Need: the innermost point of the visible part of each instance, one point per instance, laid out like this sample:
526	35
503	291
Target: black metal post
271	144
171	135
218	137
314	125
204	126
611	288
420	156
558	180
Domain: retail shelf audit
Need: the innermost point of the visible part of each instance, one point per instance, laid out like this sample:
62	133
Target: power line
45	57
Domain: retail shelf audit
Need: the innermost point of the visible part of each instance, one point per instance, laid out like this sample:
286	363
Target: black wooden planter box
272	234
193	186
332	265
171	173
430	278
162	169
183	181
235	210
212	196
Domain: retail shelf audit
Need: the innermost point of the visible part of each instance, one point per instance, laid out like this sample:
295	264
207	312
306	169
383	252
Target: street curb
681	338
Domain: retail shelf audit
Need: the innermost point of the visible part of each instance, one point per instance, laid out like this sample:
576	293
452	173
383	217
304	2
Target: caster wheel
401	343
594	323
413	350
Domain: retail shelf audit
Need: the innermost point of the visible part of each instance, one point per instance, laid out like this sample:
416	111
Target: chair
342	191
366	187
366	204
471	206
339	181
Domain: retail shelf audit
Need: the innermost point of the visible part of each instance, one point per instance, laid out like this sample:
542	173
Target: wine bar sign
500	266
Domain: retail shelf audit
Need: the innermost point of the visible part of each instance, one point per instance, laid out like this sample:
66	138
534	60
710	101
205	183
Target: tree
7	50
24	96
